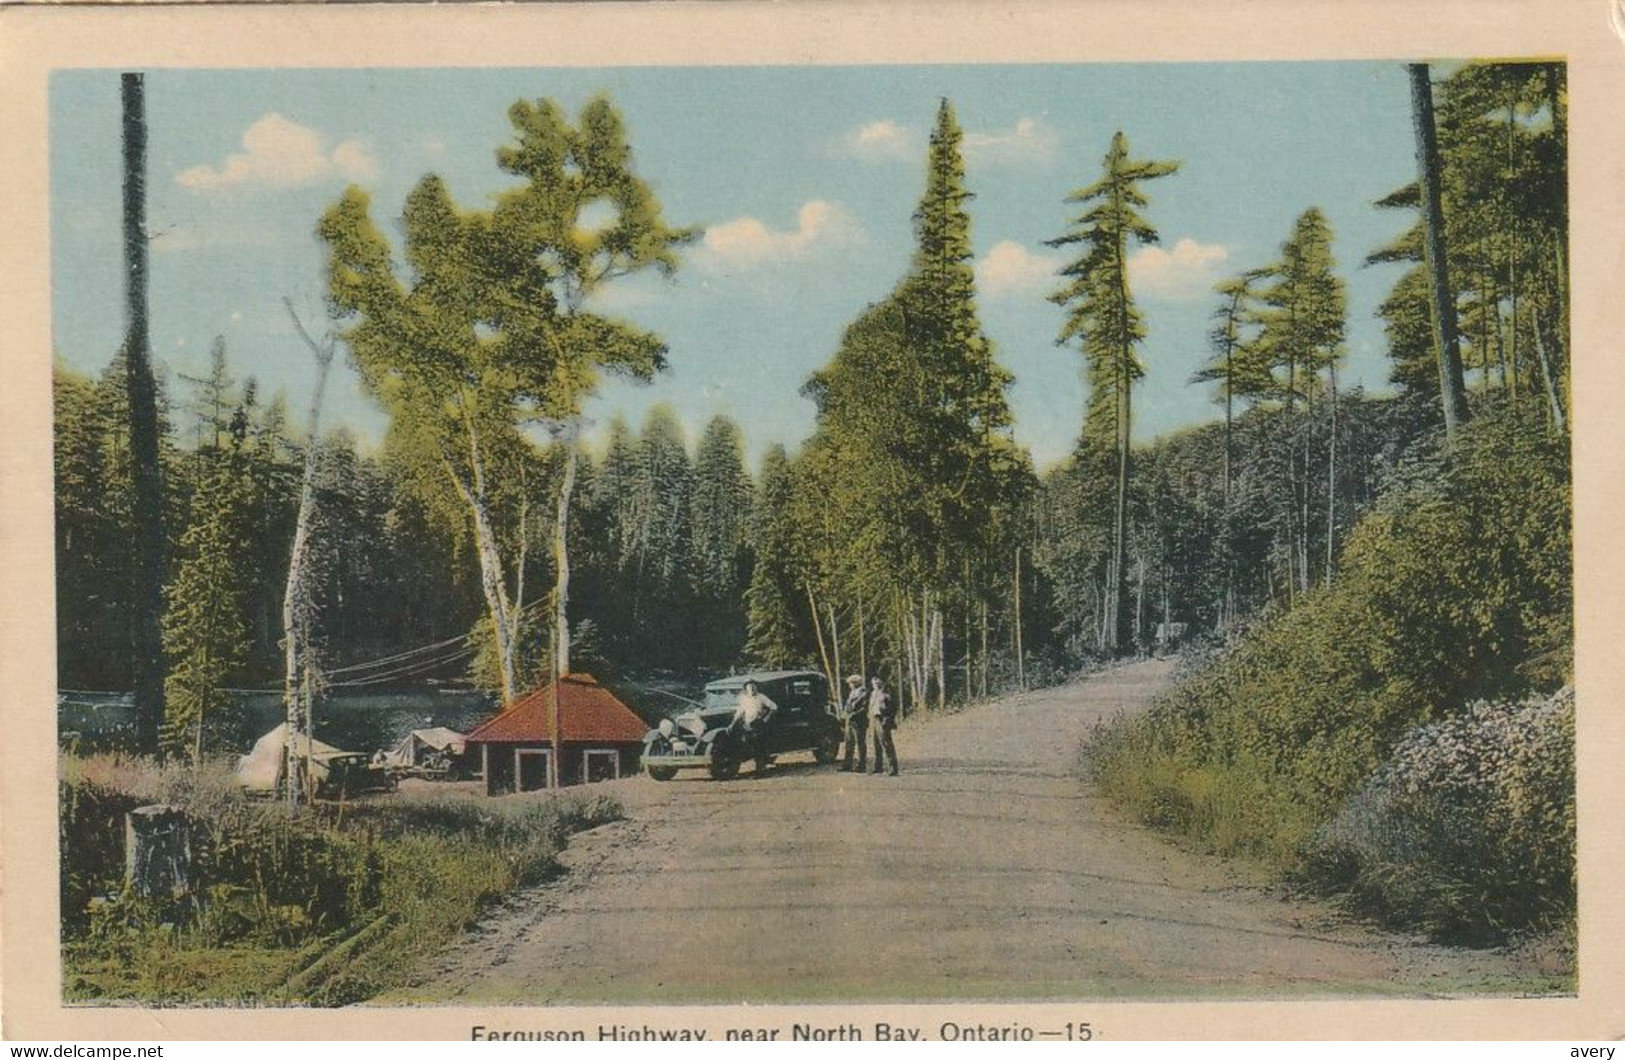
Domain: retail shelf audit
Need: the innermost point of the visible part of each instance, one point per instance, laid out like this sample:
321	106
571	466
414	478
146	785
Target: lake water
351	722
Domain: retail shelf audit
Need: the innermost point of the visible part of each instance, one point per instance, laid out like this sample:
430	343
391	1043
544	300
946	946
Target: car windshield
721	699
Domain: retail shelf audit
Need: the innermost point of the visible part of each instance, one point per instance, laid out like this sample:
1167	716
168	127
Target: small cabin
596	737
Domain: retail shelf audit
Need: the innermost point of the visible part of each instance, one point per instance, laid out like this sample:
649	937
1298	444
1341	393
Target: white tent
262	769
411	749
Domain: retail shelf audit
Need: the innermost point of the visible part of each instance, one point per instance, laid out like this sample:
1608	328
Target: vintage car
705	737
353	773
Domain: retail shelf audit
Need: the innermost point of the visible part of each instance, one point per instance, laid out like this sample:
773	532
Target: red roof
591	715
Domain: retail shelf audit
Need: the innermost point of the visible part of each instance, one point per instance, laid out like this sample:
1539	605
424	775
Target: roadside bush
1469	827
1457	587
275	897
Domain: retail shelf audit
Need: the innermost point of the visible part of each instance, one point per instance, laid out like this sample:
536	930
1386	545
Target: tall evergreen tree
205	630
1302	342
1103	320
911	448
773	634
1240	372
144	428
721	531
661	540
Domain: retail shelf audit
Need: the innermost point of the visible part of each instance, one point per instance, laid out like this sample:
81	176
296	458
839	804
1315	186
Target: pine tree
721	503
661	541
205	631
911	451
1240	372
1102	318
1302	338
774	636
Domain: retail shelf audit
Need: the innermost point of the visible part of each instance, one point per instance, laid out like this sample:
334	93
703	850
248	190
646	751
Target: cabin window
600	764
533	768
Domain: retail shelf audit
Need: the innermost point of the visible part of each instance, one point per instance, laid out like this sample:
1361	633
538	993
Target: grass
328	908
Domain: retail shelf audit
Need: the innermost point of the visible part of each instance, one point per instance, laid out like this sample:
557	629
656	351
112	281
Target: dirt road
985	871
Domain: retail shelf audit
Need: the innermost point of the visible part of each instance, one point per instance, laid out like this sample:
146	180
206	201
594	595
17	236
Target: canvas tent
421	742
263	768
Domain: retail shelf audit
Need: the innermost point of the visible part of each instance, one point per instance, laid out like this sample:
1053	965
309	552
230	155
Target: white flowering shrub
1468	829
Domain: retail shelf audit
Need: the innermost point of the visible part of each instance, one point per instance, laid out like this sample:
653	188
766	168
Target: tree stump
157	852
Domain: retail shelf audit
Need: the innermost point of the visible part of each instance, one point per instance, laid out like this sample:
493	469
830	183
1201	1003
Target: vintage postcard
812	521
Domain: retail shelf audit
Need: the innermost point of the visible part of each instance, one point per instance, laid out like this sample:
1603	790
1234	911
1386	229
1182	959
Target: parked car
353	773
703	739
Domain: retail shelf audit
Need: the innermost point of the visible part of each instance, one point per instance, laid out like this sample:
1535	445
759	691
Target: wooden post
157	852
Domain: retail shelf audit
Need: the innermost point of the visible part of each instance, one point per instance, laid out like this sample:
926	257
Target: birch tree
487	328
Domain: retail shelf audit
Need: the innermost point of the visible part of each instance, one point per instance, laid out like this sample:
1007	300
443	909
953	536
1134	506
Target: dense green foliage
1337	736
1365	578
1468	828
908	493
1456	587
321	909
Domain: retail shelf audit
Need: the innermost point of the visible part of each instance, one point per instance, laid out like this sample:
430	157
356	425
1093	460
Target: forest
909	528
1338	566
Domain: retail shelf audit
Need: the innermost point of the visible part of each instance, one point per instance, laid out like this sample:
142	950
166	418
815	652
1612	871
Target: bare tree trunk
561	556
492	582
1331	483
496	592
146	630
863	644
835	645
297	606
1021	663
1553	402
942	660
1446	344
984	649
818	631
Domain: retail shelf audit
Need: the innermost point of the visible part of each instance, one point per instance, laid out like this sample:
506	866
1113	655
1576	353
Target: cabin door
533	769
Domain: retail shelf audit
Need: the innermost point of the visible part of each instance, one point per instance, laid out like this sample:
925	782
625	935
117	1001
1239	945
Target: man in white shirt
751	716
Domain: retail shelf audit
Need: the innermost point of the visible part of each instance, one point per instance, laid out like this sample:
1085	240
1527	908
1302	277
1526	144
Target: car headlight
667	727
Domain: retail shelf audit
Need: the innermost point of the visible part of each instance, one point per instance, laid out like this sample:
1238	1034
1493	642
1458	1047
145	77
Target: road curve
986	871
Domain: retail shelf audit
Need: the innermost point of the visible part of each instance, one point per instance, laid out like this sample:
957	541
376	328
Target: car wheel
828	749
662	772
723	767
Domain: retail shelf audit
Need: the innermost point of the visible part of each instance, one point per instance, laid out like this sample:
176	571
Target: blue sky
803	178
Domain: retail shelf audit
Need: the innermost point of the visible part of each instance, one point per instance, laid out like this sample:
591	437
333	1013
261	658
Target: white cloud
282	153
1189	270
1011	269
745	241
1027	141
878	140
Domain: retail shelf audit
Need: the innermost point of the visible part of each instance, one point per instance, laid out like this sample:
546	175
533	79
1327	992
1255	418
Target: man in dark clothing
855	712
882	720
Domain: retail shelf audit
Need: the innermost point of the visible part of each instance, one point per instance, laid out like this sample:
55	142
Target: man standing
751	716
882	720
855	712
